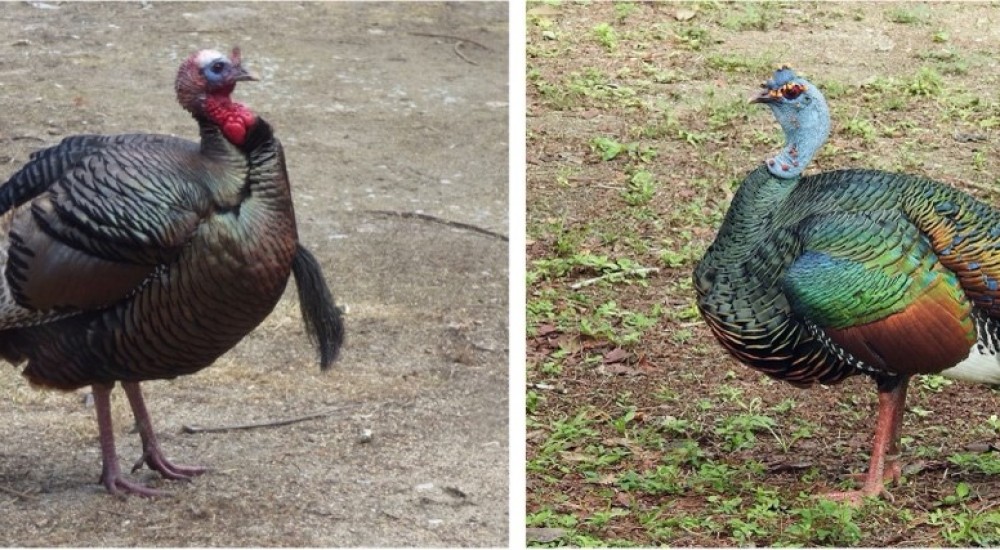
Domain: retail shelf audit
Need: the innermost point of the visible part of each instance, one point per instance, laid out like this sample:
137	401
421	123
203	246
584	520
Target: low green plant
606	36
641	188
826	523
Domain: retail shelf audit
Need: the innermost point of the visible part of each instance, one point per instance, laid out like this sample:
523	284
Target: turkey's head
801	110
204	83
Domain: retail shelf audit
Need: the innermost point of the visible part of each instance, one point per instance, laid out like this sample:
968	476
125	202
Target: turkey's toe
893	471
856	498
121	487
156	461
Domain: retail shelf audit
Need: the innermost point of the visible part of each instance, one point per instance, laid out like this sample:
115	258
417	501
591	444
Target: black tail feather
321	316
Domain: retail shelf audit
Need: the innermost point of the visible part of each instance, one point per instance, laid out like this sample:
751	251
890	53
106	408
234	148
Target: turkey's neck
749	215
234	119
254	177
805	129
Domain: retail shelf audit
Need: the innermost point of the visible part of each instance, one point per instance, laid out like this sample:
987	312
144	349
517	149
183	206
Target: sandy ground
375	116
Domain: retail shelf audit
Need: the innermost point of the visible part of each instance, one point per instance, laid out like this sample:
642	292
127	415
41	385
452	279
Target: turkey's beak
764	96
242	75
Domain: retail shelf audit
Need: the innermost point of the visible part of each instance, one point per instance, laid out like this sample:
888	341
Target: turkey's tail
322	317
983	363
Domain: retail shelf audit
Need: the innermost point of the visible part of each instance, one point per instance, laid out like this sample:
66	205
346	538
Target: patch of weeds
666	394
664	479
737	63
621	423
825	523
833	89
608	321
860	127
720	477
603	517
751	16
738	431
940	36
664	126
948	60
589	84
693	38
610	149
723	114
695	137
549	268
729	393
722	505
641	188
592	83
786	405
547	517
624	9
660	75
963	526
553	365
564	434
677	426
686	313
606	36
684	255
909	15
681	336
979	161
927	82
987	463
934	383
532	400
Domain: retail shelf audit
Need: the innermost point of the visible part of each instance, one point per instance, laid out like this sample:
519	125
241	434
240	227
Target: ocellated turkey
813	279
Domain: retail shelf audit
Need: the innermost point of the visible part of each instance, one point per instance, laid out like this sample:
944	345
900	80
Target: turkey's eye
217	67
792	90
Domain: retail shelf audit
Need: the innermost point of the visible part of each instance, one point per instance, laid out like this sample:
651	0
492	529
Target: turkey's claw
153	457
111	478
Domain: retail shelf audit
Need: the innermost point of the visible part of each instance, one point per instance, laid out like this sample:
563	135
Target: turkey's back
196	303
741	282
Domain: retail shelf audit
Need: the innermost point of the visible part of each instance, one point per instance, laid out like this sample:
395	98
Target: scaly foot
153	457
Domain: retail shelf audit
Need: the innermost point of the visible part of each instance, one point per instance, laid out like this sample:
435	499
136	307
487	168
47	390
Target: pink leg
111	475
884	464
152	456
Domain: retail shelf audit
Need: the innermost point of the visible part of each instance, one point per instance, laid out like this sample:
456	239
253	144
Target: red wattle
233	118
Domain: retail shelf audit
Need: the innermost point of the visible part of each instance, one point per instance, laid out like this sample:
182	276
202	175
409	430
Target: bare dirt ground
374	115
642	430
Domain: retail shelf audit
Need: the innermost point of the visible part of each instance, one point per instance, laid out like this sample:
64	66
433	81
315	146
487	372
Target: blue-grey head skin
801	110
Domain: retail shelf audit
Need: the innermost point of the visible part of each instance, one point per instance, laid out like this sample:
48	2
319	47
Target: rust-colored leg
151	453
884	463
111	475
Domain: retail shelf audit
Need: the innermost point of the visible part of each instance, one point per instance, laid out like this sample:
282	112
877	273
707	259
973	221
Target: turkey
139	257
812	279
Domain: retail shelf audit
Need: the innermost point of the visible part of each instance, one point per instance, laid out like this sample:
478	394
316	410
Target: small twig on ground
19	494
637	271
453	37
189	429
435	219
459	53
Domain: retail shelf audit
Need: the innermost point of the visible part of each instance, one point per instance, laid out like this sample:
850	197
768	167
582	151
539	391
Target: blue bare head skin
801	110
